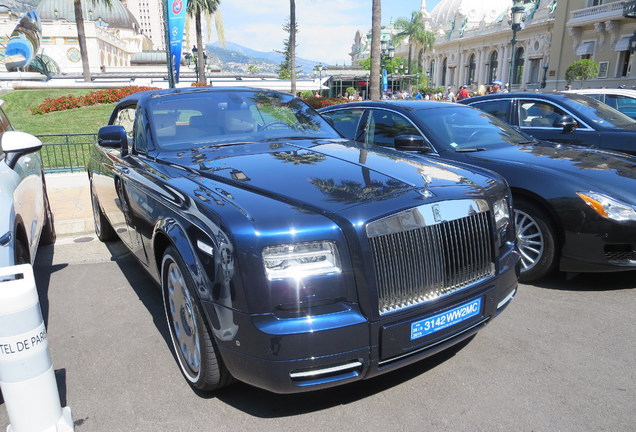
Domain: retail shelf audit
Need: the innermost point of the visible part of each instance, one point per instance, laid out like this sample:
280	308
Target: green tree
253	69
581	70
389	64
414	31
376	28
197	8
285	67
81	34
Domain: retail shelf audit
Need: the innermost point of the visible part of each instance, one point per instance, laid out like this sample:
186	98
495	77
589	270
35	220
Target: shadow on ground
588	281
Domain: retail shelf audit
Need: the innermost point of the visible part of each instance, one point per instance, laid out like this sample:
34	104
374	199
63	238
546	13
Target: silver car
25	215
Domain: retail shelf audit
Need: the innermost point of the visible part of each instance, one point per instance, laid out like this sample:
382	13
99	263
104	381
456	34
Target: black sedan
575	208
290	258
563	118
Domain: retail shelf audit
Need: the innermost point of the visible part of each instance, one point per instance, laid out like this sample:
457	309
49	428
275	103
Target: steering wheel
274	123
475	134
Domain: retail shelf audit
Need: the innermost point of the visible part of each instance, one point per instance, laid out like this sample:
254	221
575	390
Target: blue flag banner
176	22
385	81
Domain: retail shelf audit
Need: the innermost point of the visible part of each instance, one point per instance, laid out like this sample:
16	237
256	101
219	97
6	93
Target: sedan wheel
535	239
21	253
103	228
195	349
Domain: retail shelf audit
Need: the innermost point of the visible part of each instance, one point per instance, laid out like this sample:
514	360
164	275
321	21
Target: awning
586	48
622	44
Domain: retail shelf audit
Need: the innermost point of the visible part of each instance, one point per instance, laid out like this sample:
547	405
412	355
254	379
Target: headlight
502	214
609	207
297	261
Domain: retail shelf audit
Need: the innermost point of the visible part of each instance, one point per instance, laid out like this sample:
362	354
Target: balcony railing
594	14
629	9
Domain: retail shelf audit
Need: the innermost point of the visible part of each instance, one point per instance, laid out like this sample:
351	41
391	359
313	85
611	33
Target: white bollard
27	378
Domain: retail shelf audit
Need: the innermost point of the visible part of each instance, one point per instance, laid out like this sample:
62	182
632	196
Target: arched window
444	67
518	73
492	67
472	67
431	73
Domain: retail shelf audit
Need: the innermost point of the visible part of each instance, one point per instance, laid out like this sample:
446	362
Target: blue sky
327	27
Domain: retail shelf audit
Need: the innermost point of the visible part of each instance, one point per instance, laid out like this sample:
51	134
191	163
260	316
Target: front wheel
103	229
536	241
195	348
21	253
48	235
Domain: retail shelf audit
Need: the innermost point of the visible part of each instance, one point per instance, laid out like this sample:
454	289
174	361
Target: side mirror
410	143
113	136
567	123
16	144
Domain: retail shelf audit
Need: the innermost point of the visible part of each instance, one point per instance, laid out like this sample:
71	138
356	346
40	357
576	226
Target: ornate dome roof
447	11
116	16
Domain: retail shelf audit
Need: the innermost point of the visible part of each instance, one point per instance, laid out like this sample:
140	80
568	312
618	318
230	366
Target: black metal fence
66	152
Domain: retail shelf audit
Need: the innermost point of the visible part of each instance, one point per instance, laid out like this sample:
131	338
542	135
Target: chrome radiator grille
417	261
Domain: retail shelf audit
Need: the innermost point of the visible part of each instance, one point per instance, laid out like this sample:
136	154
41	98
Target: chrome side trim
326	371
507	299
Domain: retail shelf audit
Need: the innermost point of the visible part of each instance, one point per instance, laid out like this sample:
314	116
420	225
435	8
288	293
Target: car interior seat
165	124
543	117
239	121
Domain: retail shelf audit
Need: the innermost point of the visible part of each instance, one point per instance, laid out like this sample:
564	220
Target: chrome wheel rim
180	310
96	220
529	239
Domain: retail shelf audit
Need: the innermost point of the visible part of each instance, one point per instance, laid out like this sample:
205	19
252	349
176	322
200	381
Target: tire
194	346
21	253
536	241
103	229
48	235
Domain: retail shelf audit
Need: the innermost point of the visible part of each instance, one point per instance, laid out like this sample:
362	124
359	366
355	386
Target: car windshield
598	112
194	119
461	128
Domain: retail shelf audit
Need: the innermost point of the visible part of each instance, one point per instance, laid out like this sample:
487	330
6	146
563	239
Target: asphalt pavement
560	358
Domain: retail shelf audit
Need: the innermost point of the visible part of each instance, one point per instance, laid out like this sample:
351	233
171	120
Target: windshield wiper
469	150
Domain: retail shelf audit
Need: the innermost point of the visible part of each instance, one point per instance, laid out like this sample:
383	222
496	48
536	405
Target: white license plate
446	319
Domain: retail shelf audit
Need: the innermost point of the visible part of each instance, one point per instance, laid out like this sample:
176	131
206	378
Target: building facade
474	43
601	31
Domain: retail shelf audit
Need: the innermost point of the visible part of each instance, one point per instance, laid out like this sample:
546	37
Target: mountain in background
237	58
18	6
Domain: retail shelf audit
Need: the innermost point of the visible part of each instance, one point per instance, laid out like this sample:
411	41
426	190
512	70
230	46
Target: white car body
25	216
623	100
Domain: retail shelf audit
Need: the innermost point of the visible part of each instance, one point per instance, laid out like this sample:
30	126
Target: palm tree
81	34
196	8
292	43
376	28
415	32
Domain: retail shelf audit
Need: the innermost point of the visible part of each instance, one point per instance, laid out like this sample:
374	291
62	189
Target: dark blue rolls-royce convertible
290	258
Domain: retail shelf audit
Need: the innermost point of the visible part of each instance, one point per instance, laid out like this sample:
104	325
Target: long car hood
611	171
331	175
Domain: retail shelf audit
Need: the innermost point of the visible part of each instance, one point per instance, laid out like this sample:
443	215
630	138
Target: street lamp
195	57
517	13
319	68
387	53
632	43
545	75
